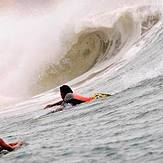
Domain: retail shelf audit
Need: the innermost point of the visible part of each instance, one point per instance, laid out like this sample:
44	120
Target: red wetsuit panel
82	98
75	99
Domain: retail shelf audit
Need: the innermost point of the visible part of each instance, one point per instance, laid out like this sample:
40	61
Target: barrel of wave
97	39
79	59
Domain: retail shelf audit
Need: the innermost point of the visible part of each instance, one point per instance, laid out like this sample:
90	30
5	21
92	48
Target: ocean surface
94	46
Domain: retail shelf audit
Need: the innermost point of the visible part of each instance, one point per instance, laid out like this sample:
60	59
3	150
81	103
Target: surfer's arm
55	104
11	146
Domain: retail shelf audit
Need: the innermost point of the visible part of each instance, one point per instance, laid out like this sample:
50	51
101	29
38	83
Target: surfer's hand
48	106
18	144
21	142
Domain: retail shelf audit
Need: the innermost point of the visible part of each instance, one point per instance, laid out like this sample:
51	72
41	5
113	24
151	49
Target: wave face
56	42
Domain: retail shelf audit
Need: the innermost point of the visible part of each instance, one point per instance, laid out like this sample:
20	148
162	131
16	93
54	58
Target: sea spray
34	44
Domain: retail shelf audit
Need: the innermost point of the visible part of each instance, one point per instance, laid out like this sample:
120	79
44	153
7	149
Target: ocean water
94	46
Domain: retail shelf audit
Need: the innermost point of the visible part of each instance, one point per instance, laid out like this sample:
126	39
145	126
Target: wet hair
65	89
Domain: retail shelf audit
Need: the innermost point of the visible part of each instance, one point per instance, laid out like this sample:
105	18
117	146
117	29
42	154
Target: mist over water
41	41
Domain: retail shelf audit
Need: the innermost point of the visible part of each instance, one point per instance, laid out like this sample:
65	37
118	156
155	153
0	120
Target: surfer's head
64	89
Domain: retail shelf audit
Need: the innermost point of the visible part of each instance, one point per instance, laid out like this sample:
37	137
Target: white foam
29	42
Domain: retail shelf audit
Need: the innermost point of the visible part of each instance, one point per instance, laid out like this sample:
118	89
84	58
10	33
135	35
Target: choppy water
127	62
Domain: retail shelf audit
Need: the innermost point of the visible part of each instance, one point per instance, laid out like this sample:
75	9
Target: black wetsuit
69	98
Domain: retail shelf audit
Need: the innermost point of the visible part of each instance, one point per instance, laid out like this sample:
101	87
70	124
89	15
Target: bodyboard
100	95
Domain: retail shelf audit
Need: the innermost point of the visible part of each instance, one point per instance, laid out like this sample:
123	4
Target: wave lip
99	38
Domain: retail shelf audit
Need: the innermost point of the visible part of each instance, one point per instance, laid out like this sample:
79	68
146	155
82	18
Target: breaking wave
45	50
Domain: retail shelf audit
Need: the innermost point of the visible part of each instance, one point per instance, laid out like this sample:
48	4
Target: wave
97	39
86	45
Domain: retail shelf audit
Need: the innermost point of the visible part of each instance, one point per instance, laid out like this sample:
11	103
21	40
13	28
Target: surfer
68	96
10	146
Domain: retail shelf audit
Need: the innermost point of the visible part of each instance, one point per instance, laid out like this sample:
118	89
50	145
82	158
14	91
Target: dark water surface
125	127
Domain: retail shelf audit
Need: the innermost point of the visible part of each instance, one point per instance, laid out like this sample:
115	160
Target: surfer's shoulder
69	96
